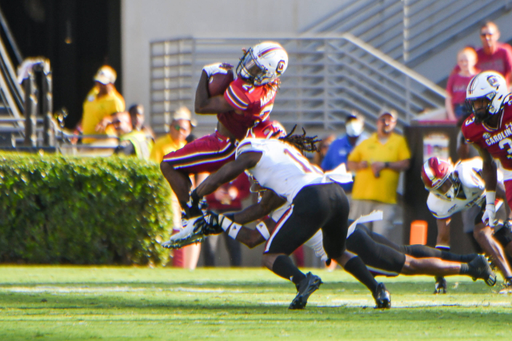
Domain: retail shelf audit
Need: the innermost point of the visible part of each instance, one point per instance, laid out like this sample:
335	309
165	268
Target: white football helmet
263	63
434	174
489	85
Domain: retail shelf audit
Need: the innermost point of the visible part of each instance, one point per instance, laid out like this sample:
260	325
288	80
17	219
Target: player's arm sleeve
236	96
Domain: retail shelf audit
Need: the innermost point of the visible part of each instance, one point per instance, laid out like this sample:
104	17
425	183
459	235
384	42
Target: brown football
219	82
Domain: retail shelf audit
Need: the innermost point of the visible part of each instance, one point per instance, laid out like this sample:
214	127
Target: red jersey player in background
489	128
247	101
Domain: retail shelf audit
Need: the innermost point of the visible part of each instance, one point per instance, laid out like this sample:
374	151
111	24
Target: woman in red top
458	82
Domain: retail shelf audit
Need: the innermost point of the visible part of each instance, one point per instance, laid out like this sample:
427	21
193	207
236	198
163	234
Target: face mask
450	195
354	128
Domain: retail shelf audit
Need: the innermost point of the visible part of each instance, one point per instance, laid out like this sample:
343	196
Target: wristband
229	226
263	230
225	222
234	229
490	198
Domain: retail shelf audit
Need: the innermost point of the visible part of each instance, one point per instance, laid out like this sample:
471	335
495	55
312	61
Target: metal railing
326	79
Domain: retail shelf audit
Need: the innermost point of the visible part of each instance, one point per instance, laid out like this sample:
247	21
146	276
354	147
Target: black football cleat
507	287
382	297
440	286
305	288
479	269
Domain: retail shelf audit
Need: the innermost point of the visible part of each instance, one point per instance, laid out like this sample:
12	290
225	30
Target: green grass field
115	303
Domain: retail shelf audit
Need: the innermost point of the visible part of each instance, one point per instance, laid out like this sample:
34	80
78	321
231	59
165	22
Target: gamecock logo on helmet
280	67
493	81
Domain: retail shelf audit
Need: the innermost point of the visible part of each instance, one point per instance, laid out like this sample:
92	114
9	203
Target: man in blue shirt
340	148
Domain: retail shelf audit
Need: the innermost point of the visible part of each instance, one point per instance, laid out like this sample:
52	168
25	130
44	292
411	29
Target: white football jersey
473	188
282	168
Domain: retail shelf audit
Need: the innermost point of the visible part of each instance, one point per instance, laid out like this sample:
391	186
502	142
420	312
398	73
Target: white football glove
215	68
489	216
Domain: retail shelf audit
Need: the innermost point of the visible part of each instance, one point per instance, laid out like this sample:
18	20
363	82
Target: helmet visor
248	68
480	107
445	190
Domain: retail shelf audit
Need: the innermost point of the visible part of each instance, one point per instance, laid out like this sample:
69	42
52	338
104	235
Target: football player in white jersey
453	189
381	256
317	202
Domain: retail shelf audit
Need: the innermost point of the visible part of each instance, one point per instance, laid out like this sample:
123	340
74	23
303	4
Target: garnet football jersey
255	102
498	142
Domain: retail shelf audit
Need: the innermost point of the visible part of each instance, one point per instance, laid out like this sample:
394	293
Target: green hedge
56	209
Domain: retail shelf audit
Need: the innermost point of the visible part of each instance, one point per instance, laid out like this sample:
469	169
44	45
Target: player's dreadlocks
301	142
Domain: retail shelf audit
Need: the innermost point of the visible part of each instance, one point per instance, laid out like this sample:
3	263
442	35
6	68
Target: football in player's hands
219	82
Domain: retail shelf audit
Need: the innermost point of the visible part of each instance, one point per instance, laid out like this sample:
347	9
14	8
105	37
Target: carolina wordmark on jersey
282	168
472	187
255	103
497	141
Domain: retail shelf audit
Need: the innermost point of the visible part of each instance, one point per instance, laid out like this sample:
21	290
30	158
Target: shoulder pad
237	93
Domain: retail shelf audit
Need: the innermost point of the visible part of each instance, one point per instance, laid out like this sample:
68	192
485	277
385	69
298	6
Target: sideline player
317	202
489	128
248	100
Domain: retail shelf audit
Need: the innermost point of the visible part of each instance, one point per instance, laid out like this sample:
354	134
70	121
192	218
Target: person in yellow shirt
377	163
103	100
180	128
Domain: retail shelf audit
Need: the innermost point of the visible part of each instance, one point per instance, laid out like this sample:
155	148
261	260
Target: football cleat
187	235
440	286
479	268
382	297
305	288
507	287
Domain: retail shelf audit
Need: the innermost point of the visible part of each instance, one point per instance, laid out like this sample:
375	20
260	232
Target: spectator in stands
227	198
180	128
458	82
340	148
377	162
494	55
103	100
139	140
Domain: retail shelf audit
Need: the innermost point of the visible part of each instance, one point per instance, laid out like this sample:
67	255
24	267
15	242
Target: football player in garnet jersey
248	100
489	128
454	189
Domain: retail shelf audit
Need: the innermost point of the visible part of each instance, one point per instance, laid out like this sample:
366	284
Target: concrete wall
144	21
